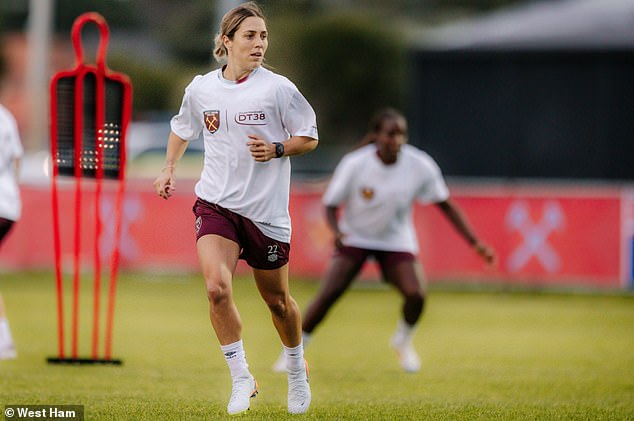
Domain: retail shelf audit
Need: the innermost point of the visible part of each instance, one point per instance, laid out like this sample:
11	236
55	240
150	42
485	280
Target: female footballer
252	121
11	152
378	184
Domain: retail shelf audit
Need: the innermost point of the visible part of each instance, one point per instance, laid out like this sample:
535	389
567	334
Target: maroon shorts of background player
384	258
258	250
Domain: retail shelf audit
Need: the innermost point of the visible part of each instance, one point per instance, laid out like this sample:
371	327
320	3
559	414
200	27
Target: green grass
487	355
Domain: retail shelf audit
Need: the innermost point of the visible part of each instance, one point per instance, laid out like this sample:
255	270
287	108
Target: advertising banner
543	235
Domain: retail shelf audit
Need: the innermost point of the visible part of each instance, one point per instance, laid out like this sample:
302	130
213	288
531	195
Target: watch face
279	150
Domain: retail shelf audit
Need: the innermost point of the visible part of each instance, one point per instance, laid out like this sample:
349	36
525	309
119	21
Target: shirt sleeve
339	187
298	116
9	137
187	124
15	145
433	189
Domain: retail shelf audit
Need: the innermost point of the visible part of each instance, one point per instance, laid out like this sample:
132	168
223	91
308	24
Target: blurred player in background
253	120
378	184
10	206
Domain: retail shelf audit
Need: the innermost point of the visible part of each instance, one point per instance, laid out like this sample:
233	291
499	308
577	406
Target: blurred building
543	89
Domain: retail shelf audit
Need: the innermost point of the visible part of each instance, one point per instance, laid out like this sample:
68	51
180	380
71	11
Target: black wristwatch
279	149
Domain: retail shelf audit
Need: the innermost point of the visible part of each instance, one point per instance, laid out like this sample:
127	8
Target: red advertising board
580	236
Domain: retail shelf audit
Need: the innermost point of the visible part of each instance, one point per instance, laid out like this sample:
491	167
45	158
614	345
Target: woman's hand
261	150
485	252
338	240
165	183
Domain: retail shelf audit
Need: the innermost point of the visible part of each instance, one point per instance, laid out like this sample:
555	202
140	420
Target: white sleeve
298	116
15	145
339	187
187	124
434	189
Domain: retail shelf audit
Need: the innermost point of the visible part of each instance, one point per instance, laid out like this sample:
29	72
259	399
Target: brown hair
231	21
376	123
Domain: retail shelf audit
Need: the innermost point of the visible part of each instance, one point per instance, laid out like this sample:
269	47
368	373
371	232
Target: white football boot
243	389
298	390
407	356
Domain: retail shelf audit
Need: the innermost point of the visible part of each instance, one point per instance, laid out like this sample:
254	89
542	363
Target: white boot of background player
402	343
280	365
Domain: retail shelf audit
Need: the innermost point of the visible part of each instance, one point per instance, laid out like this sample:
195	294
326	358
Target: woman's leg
273	287
406	276
340	274
218	259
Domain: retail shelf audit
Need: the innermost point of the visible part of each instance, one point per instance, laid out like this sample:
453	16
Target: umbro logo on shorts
199	222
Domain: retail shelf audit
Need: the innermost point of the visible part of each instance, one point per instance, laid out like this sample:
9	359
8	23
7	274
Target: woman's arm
332	221
263	151
165	183
459	221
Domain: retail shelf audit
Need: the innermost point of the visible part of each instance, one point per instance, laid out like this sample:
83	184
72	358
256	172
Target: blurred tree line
348	57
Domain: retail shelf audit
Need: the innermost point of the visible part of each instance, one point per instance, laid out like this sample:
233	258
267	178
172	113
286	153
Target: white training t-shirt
377	199
267	105
10	149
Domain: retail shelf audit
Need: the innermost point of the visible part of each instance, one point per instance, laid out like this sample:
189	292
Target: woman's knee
414	297
278	304
217	292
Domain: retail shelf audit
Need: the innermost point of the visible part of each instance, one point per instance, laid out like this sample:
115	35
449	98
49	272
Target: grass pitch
486	355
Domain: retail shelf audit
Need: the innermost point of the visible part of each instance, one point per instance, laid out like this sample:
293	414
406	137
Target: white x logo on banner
535	235
131	210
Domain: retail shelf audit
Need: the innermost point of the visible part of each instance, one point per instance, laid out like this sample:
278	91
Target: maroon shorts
5	227
384	258
258	250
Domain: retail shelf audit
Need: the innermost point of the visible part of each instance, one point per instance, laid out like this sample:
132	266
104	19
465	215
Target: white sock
404	332
236	359
6	341
294	357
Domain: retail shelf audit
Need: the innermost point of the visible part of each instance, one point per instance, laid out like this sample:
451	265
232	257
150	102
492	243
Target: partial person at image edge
11	152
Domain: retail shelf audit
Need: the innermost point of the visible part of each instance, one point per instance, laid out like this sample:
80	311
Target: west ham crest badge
367	193
212	120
